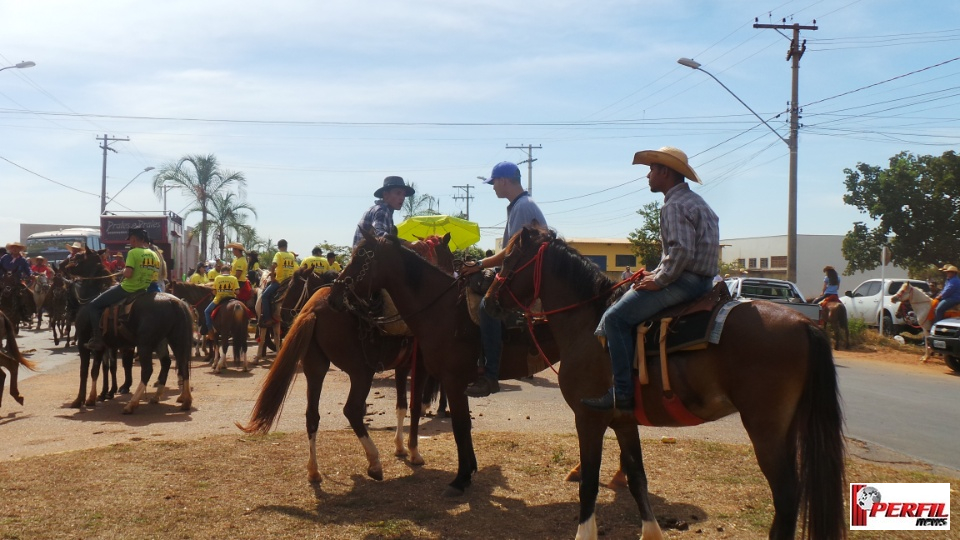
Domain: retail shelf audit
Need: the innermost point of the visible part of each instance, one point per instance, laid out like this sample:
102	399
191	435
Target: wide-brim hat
391	182
16	245
235	245
670	157
75	245
948	268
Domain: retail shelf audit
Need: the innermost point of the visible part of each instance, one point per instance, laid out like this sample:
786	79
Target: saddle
115	319
227	301
385	317
477	286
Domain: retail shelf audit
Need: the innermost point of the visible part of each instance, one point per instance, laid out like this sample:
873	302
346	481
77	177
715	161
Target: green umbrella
463	233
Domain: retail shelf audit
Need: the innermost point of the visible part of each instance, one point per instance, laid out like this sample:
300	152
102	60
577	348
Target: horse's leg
164	353
590	435
418	384
94	376
145	359
127	358
400	382
315	368
114	360
106	374
460	420
631	464
3	377
925	328
776	451
240	344
277	335
354	410
261	345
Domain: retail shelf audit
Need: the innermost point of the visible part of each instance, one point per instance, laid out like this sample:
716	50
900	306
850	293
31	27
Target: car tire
953	362
888	328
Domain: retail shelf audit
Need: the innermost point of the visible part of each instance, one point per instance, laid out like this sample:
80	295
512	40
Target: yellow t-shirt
212	275
199	279
241	265
286	265
335	266
226	287
319	264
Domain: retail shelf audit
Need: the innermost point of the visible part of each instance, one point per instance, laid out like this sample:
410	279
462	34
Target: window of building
626	260
752	262
742	263
599	260
764	262
778	261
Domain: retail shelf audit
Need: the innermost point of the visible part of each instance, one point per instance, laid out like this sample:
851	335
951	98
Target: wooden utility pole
529	161
467	197
793	54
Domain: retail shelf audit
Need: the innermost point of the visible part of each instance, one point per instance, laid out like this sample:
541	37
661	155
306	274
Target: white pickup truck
778	291
864	303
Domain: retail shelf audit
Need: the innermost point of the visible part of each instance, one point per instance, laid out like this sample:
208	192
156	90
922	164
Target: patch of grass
558	456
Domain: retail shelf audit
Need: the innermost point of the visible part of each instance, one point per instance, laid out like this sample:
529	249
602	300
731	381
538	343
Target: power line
38	175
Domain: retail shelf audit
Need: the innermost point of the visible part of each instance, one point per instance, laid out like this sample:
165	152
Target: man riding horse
690	235
141	270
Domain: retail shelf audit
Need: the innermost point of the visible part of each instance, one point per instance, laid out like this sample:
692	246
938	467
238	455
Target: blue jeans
208	315
942	307
266	307
619	322
491	338
99	304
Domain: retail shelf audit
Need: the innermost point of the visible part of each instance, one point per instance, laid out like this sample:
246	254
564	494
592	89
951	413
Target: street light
791	143
21	65
104	205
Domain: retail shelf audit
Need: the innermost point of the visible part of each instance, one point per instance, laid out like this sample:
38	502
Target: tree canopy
646	240
917	203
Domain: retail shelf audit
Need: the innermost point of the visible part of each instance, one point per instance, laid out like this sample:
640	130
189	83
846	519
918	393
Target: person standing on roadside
521	211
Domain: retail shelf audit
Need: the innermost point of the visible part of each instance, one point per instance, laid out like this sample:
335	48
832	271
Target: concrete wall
813	253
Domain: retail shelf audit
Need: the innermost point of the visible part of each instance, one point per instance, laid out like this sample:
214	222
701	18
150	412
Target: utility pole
529	161
466	197
793	55
103	184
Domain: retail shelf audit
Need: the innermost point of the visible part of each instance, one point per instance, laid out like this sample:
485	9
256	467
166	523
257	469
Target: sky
316	102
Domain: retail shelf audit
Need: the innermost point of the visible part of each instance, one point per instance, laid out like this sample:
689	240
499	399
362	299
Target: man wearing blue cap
505	179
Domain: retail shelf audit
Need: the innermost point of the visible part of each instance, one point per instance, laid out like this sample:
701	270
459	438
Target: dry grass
255	487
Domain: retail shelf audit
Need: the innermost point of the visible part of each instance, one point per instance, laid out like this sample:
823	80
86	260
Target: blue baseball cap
504	169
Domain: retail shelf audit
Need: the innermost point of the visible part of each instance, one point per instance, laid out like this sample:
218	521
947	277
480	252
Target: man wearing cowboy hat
950	295
379	217
14	263
74	248
142	269
238	269
41	267
505	179
690	236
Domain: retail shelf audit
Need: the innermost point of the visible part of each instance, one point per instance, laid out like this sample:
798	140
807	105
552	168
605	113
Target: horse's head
362	275
517	284
905	293
436	250
86	263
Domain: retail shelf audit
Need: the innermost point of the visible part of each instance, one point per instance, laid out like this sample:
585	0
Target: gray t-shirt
522	211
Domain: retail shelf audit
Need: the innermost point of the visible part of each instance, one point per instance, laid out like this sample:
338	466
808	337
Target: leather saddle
114	323
685	326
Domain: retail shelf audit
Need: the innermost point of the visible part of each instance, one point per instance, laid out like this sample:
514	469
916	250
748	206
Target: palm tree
202	177
227	214
418	205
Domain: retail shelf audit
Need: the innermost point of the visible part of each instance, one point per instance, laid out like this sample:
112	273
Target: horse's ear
526	234
446	239
368	234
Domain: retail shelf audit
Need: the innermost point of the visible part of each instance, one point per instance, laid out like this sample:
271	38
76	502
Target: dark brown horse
772	364
834	316
198	298
320	336
155	318
16	300
10	358
56	306
230	321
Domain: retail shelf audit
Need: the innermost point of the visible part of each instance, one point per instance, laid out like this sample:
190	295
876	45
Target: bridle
304	292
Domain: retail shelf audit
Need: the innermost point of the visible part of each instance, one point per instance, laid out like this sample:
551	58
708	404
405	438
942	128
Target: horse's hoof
18	399
186	405
154	400
452	491
77	404
375	474
314	477
127	410
402	453
91	403
125	389
572	476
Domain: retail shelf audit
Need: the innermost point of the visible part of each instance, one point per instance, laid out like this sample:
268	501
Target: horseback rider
690	236
227	286
283	266
238	269
379	217
831	286
317	261
14	263
200	276
41	267
141	270
505	179
332	262
950	295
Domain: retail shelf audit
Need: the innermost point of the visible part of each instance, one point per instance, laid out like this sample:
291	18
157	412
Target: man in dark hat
690	235
379	217
142	269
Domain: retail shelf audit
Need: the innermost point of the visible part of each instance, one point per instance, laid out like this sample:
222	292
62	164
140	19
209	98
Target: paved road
913	412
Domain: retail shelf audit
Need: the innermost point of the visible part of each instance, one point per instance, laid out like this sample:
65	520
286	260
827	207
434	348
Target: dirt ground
194	475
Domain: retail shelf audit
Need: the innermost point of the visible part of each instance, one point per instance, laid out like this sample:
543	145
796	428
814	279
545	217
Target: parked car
778	291
945	339
864	303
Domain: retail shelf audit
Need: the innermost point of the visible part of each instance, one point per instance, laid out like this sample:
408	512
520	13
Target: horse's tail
821	445
240	320
273	392
181	337
12	348
431	391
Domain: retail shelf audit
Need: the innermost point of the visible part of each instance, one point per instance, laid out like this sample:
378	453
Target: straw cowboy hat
669	157
393	182
75	245
949	268
235	245
16	245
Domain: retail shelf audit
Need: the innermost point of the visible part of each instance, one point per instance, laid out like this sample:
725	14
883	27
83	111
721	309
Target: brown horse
834	317
198	298
230	322
772	364
16	300
11	359
56	306
320	336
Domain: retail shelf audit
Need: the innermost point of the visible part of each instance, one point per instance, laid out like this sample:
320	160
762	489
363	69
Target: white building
766	256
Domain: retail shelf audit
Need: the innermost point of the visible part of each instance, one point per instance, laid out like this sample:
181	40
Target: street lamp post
103	206
21	65
791	143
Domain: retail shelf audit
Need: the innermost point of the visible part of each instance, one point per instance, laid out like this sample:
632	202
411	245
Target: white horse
923	308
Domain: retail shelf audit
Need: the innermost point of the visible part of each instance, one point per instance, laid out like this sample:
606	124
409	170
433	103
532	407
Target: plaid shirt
380	218
690	234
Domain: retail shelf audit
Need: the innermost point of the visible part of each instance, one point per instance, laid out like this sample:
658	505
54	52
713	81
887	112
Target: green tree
646	240
228	214
418	205
202	178
342	252
917	203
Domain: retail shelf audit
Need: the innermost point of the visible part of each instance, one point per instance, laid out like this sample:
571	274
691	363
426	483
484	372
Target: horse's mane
569	264
410	258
